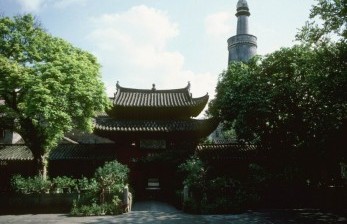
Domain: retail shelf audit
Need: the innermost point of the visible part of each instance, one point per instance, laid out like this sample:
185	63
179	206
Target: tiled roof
112	125
229	151
62	152
228	147
83	152
127	97
15	152
218	152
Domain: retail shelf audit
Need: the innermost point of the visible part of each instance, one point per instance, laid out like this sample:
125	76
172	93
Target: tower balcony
242	39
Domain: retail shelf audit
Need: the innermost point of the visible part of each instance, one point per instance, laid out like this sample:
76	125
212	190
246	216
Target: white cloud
219	24
31	5
132	47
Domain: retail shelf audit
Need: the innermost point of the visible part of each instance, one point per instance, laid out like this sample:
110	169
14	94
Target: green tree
294	97
291	97
49	86
327	19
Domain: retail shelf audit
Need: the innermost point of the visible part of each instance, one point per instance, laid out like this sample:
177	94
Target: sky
166	42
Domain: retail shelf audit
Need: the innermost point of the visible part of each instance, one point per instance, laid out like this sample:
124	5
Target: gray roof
128	97
84	152
62	152
109	152
112	125
223	152
15	152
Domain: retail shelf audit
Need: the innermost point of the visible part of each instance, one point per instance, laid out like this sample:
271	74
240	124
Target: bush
213	194
108	208
64	183
35	184
103	192
111	177
84	184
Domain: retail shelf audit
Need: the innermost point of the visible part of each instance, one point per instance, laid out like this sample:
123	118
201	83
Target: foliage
37	184
195	171
64	182
327	19
214	194
49	86
109	208
104	191
294	97
30	185
85	184
225	195
112	175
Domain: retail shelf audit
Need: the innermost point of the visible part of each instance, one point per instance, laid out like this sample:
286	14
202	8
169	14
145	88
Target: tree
332	15
49	86
294	97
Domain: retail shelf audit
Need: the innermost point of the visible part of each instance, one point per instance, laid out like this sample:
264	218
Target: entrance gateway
154	131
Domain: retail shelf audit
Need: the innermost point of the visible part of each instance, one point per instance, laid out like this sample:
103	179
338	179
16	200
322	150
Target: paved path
156	212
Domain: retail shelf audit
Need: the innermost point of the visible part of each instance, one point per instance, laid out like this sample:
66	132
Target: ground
157	212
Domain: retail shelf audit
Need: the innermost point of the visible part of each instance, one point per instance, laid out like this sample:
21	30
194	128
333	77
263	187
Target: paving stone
157	213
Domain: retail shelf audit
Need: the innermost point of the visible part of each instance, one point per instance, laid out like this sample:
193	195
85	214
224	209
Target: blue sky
166	42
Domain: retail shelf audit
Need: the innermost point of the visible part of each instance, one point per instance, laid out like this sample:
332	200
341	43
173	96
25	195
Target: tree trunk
41	164
35	141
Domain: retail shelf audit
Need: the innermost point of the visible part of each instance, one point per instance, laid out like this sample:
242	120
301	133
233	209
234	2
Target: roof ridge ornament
153	87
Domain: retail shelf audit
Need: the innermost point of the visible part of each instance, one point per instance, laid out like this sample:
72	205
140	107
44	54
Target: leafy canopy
49	86
294	97
328	19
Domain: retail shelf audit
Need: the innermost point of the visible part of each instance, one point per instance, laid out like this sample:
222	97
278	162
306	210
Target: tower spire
242	46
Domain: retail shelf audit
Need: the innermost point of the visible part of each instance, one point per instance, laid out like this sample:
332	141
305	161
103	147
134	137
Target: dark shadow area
15	204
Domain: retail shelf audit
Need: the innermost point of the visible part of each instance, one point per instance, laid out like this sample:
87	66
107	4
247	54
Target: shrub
35	184
110	208
215	194
19	184
112	176
64	182
103	191
84	184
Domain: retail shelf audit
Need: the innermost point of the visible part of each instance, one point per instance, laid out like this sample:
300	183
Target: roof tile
230	151
110	124
15	152
156	98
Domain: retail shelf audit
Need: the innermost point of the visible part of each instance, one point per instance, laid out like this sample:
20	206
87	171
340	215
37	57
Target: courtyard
157	212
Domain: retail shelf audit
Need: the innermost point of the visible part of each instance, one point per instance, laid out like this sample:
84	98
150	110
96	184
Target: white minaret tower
242	46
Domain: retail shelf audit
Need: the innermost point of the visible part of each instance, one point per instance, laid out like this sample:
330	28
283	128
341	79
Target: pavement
157	212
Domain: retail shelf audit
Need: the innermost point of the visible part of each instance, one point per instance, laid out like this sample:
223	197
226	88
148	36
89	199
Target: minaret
242	46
